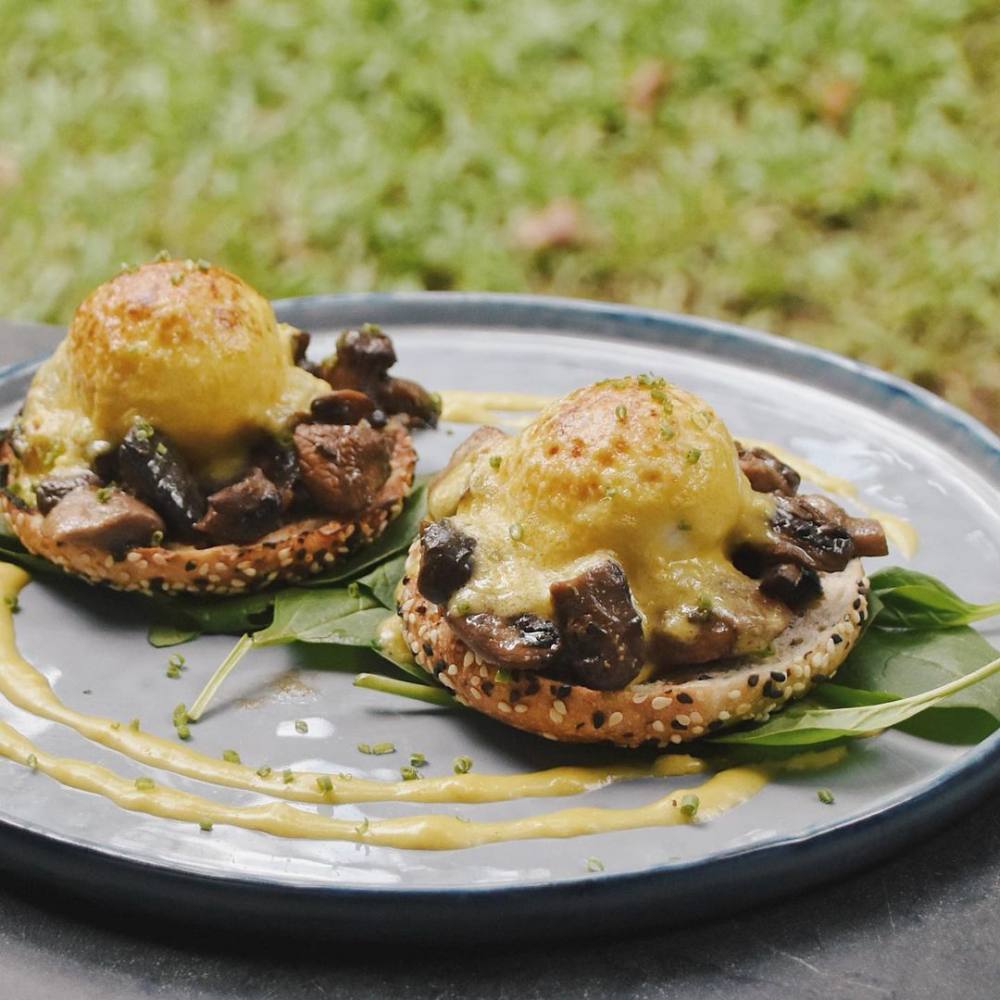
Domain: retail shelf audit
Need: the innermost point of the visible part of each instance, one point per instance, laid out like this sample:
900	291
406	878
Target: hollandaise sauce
464	406
28	689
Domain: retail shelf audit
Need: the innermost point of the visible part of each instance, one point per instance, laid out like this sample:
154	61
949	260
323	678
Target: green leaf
162	634
906	663
395	539
912	600
383	580
329	615
808	723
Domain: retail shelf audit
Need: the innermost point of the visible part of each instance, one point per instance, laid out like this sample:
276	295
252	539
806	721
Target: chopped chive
161	448
666	431
145	784
692	456
825	796
104	494
287	776
156	538
502	676
203	265
516	532
462	765
134	725
378	749
264	772
116	726
621	413
353	589
176	279
362	828
683	525
301	726
409	773
495	461
32	762
205	826
162	256
595	865
417	760
231	756
324	784
689	804
183	732
13	603
180	715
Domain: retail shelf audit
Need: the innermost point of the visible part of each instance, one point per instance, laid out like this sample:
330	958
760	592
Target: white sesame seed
674	738
559	706
520	709
658	726
684	719
639	697
452	669
555	716
734	695
661	701
615	719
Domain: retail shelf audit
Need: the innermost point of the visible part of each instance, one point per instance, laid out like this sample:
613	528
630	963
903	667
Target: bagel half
292	553
706	699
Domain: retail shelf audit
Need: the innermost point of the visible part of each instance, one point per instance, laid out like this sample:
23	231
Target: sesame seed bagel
293	552
705	699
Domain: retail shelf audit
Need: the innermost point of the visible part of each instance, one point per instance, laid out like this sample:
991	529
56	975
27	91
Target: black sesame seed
770	691
565	690
513	695
533	686
190	565
716	724
439	666
597	719
837	638
704	677
487	688
428	649
300	553
677	725
777	675
752	680
684	698
857	604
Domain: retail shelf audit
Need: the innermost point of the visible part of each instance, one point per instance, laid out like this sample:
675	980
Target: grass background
826	170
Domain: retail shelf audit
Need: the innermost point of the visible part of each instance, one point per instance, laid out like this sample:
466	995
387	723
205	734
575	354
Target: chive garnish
692	456
205	826
378	749
231	756
516	532
495	461
595	865
134	725
621	413
825	796
417	760
104	494
301	726
462	765
183	732
264	772
324	784
145	784
362	828
287	776
409	773
32	762
689	804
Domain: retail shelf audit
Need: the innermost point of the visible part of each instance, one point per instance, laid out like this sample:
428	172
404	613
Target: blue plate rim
908	814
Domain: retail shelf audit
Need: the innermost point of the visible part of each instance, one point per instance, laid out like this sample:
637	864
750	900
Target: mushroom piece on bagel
179	440
623	571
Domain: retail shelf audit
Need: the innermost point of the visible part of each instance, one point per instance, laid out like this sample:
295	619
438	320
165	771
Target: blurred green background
828	170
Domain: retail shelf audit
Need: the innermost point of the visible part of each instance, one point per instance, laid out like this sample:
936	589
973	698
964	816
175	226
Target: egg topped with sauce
190	348
632	469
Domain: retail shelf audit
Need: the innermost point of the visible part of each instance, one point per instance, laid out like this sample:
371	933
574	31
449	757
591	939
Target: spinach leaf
342	615
913	600
395	539
808	723
906	663
383	580
162	634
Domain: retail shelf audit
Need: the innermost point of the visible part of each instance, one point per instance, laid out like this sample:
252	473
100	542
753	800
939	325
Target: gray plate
907	451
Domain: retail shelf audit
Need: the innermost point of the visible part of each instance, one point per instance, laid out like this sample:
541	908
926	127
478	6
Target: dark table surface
925	924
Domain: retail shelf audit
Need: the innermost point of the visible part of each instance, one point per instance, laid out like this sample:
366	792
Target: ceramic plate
908	453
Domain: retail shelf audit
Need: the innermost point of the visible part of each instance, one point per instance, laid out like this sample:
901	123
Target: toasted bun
294	552
708	698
